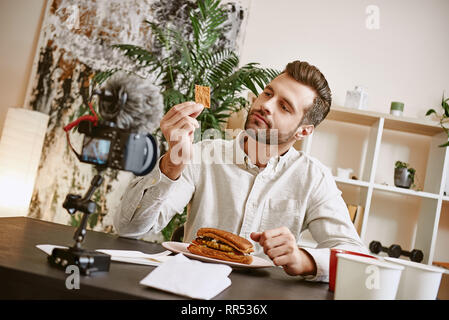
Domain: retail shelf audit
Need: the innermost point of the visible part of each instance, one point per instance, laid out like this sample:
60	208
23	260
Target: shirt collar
243	160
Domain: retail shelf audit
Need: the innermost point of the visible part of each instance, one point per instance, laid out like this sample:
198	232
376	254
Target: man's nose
268	106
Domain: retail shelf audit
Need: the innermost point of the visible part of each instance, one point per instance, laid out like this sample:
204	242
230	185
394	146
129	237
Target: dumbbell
396	251
393	251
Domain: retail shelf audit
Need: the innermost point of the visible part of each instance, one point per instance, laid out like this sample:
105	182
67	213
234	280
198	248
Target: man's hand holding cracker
178	127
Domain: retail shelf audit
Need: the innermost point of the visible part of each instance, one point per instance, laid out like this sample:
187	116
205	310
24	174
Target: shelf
381	187
354	116
351	182
410	192
399	123
426	205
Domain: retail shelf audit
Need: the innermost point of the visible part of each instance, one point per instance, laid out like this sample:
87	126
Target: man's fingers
280	246
182	127
195	114
255	236
281	260
173	110
187	109
268	234
179	124
285	249
187	120
276	241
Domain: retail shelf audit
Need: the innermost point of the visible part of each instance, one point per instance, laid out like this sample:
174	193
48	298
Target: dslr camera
105	145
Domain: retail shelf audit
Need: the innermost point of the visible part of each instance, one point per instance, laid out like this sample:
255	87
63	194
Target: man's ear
304	131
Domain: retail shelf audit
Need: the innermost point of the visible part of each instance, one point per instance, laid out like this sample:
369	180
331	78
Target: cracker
202	95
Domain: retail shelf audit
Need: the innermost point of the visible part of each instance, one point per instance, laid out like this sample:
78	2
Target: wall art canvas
75	43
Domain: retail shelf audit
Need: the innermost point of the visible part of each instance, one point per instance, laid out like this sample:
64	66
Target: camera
129	108
105	145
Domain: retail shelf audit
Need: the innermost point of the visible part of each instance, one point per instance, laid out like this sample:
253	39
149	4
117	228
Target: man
266	190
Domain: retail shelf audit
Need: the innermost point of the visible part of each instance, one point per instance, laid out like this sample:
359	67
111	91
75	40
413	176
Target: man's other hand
280	245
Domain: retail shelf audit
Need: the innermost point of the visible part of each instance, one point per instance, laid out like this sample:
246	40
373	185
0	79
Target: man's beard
268	136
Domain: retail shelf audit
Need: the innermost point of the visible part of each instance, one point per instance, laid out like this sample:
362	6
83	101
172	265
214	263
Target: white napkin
189	278
48	248
135	257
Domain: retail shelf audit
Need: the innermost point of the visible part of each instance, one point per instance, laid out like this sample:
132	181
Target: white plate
181	247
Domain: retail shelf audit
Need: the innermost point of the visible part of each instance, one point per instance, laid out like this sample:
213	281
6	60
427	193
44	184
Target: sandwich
222	245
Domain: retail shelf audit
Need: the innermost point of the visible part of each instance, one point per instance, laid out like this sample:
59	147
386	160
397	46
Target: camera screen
95	150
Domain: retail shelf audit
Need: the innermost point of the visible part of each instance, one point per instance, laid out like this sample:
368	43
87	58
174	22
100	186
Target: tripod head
74	203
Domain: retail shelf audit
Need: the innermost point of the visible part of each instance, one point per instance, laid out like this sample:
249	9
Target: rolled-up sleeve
151	201
330	225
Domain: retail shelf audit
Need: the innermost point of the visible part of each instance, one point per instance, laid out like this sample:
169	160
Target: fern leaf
102	76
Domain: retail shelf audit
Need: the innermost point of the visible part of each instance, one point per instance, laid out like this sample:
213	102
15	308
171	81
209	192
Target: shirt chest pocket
283	212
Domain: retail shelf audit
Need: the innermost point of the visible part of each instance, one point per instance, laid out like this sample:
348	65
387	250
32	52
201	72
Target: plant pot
402	178
396	108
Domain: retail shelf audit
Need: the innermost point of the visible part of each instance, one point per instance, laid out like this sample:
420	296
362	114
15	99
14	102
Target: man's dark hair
312	77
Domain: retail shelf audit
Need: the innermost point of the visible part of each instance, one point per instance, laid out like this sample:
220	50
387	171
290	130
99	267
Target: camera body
105	145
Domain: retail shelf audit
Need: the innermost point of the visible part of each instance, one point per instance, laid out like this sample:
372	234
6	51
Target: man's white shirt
226	191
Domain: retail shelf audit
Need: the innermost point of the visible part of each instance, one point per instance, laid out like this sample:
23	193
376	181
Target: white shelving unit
431	197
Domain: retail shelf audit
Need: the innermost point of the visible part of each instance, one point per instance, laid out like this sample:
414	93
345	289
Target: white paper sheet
127	256
190	278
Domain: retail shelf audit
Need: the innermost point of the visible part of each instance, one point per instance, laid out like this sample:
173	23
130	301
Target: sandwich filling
215	244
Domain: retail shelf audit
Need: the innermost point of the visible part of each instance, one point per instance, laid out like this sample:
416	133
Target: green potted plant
180	63
404	175
443	117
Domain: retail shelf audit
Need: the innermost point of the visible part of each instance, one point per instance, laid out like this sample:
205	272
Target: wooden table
26	274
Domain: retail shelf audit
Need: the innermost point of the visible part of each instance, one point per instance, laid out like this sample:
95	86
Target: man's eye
284	107
267	93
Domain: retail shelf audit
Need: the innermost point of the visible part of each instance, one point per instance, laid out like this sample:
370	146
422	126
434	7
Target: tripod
86	260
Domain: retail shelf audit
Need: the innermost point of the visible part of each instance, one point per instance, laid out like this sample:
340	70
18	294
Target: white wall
406	59
20	22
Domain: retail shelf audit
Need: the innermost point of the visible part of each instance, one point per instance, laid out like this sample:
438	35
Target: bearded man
260	188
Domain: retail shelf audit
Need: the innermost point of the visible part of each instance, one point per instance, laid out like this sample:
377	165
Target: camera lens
150	153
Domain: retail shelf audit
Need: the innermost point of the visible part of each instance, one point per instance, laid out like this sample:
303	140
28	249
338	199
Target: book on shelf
356	216
352	211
